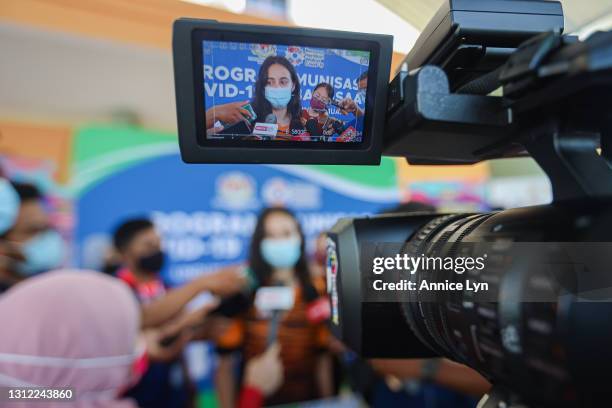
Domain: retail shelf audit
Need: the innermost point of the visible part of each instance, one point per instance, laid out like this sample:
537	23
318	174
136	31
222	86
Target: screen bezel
189	81
199	36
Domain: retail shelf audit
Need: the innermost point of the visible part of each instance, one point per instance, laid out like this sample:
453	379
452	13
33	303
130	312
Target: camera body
207	85
526	295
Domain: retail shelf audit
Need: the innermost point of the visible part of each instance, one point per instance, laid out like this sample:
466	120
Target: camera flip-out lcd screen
279	95
274	92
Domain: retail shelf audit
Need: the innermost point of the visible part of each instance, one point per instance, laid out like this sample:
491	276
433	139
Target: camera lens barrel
531	325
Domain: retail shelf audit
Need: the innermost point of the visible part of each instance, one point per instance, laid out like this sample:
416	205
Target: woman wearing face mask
30	245
55	334
316	119
277	92
277	258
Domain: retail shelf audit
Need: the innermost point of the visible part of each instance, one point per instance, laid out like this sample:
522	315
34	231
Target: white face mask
43	252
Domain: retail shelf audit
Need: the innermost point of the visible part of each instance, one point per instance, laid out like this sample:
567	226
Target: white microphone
268	128
272	301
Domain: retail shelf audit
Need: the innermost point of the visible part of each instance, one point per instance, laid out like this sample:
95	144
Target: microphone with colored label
242	127
266	129
273	301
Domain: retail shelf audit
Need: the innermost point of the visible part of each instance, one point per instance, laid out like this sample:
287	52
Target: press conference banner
205	213
231	74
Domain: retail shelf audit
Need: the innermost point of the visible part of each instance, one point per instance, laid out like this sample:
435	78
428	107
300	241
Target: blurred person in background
348	105
166	323
277	258
76	329
9	254
30	245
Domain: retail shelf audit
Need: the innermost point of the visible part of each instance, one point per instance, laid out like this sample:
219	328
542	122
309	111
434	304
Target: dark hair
27	192
364	75
328	88
259	266
126	231
260	104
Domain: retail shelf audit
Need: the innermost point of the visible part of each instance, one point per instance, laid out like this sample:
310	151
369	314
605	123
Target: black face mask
152	263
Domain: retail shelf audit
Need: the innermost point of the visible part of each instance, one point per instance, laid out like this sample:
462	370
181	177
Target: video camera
523	295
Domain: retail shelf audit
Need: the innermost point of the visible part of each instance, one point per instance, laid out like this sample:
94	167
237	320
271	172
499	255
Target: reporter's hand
156	352
347	105
193	319
231	112
265	371
225	282
214	130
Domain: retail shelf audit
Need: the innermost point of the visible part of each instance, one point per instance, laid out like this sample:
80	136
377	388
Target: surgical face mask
318	104
9	205
152	263
278	97
42	253
281	253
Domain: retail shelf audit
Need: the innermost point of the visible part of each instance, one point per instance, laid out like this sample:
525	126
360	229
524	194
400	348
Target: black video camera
524	296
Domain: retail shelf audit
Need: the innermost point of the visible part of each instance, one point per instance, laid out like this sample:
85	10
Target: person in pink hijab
74	329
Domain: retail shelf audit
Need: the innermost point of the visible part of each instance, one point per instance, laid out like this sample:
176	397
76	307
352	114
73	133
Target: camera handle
499	397
571	160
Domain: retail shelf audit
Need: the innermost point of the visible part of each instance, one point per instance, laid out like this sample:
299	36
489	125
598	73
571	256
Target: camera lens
503	334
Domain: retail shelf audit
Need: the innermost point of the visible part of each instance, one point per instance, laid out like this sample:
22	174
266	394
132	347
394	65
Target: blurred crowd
117	336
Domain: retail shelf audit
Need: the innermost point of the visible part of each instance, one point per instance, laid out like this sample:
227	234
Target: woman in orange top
277	92
277	257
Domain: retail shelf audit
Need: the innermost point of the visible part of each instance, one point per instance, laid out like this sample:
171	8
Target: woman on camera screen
277	92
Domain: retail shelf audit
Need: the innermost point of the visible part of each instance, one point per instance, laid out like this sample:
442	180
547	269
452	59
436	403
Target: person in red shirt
164	318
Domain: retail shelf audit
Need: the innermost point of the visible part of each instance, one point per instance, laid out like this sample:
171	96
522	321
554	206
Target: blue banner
231	69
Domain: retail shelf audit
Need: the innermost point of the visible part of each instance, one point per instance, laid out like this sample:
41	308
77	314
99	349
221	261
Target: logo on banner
314	58
280	192
295	55
235	190
262	51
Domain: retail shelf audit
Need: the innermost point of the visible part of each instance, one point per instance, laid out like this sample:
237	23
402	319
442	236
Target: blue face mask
281	253
42	253
9	205
278	97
